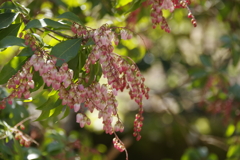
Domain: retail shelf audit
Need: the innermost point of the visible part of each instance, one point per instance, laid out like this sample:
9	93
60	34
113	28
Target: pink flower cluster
21	83
138	122
95	96
119	73
157	15
118	144
23	139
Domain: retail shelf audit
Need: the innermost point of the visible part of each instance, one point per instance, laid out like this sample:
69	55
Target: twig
24	120
50	35
59	33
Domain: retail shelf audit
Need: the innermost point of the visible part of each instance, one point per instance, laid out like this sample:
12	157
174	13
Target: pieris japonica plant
72	66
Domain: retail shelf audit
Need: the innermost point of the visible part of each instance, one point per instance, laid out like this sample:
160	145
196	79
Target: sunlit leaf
21	8
135	4
71	16
40	23
234	151
6	19
47	107
230	130
12	41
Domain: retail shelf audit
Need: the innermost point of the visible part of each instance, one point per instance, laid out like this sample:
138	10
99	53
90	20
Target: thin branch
59	33
50	35
24	120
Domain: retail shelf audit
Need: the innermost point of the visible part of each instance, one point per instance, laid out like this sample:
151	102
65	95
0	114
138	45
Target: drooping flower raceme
157	15
81	92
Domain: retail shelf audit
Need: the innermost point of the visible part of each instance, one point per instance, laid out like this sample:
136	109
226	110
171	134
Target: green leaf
90	42
73	64
12	41
66	112
26	52
6	19
82	59
227	41
48	105
234	151
56	24
18	150
206	60
22	8
230	130
66	50
55	147
51	108
12	30
135	4
191	154
95	73
38	81
40	23
8	5
40	40
212	157
197	72
11	68
56	111
70	16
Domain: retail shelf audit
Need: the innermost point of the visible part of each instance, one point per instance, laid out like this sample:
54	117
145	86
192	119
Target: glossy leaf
11	41
6	19
12	30
40	23
11	68
71	16
26	52
21	8
65	51
8	5
66	112
46	108
135	4
56	111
